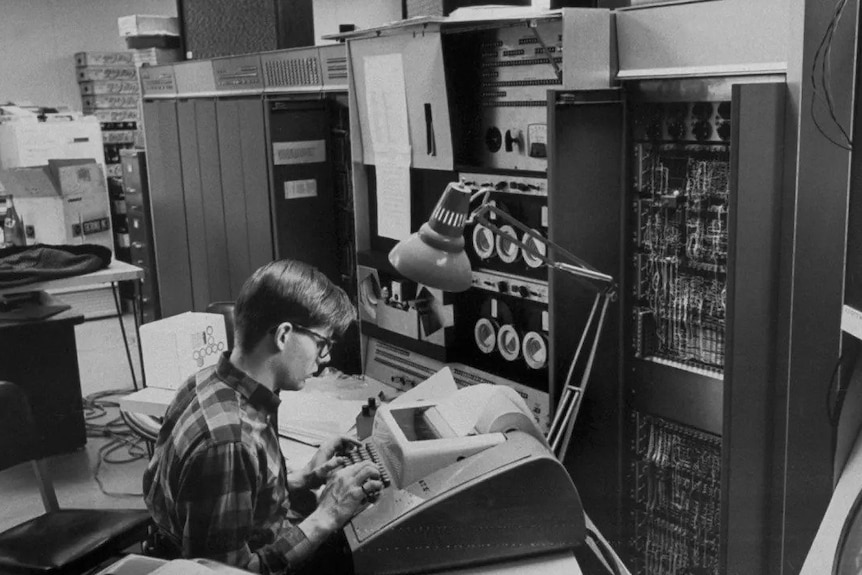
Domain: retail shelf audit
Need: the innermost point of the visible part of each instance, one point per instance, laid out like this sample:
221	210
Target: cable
605	551
118	433
822	58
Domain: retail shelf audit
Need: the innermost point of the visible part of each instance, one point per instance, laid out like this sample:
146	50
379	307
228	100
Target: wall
39	37
328	14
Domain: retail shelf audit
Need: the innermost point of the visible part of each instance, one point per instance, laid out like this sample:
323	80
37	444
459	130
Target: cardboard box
125	58
114	115
25	143
156	56
176	347
109	101
108	87
62	203
146	25
119	136
107	73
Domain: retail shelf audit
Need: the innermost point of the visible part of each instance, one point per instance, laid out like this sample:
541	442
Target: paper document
386	106
440	385
312	417
386	97
393	196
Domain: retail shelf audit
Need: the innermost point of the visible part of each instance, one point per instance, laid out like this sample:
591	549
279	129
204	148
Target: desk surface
116	272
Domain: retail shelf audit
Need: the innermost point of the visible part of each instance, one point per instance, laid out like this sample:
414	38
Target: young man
217	485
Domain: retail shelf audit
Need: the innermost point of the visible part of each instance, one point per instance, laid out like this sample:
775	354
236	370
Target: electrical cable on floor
116	431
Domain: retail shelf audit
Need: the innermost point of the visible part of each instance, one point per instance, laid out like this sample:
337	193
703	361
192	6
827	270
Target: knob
513	139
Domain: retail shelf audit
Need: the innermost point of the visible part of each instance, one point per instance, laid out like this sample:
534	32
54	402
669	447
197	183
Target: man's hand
327	459
348	489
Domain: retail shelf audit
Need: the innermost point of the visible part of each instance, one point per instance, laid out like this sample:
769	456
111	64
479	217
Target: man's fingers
346	444
373	486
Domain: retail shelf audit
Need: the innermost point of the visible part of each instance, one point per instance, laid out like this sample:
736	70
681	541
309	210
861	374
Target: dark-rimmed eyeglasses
324	344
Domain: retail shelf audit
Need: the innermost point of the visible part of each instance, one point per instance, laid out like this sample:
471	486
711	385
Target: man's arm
339	501
215	505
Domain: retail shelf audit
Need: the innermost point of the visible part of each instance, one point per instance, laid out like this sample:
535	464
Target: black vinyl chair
60	541
226	309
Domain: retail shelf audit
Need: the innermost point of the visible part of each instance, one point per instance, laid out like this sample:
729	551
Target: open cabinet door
757	147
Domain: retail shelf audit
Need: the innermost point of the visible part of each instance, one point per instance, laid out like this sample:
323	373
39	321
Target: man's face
305	351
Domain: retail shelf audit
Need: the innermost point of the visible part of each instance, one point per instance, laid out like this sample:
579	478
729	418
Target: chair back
18	441
225	308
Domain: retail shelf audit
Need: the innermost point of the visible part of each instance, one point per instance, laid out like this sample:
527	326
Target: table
118	271
41	356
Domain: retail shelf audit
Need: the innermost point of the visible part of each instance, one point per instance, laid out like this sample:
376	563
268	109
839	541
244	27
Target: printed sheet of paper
393	196
386	97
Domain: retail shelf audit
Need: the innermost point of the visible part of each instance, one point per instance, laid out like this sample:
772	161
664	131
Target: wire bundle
821	73
122	446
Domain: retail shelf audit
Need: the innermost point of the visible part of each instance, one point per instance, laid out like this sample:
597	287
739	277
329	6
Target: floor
103	366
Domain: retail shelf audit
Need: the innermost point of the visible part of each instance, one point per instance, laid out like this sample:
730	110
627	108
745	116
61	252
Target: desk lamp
434	256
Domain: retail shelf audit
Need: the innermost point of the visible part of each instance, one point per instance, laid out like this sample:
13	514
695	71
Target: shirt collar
253	391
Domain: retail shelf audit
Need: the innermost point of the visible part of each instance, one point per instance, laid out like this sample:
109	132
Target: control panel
517	66
523	198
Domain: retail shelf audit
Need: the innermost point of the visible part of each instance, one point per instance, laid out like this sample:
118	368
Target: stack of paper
312	417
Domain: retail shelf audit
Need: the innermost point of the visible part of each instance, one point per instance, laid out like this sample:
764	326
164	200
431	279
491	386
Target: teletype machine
468	479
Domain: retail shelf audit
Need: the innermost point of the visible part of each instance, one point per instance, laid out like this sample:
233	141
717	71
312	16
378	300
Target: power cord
123	445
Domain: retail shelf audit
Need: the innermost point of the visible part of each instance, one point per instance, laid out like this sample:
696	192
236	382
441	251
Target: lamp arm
578	268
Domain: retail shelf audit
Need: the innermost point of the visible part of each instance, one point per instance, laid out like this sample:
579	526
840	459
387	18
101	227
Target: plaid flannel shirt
217	483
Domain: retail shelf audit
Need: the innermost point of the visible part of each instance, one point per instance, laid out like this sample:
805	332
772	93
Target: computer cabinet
701	269
136	190
249	161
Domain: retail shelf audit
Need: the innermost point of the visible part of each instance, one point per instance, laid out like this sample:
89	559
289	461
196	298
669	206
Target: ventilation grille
293	72
336	68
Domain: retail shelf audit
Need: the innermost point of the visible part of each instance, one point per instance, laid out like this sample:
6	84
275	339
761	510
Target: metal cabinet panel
168	209
302	187
254	168
585	208
193	199
752	312
424	83
218	270
230	159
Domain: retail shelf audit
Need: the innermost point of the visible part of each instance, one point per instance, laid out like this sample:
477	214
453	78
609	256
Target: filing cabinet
136	191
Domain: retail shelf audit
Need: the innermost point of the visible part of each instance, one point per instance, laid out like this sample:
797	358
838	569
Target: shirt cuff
290	549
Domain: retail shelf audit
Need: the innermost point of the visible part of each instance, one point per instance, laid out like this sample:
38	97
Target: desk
297	454
116	272
41	357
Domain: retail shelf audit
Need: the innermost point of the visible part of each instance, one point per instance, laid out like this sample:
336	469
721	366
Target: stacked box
110	91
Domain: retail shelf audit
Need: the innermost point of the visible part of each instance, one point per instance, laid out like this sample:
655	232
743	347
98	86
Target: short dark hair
289	290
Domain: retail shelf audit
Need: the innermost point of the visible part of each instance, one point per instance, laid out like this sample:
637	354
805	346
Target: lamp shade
434	256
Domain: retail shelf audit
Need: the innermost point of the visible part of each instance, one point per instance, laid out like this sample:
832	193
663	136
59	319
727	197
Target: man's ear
281	333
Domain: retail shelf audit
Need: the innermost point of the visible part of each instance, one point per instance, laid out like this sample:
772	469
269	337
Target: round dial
493	139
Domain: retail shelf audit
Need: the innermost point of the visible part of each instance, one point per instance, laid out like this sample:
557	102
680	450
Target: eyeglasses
324	344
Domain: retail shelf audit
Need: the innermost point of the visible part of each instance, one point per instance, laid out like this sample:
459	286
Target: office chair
60	541
226	309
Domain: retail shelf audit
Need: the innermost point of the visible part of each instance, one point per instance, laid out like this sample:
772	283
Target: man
217	485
